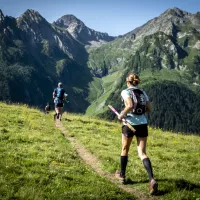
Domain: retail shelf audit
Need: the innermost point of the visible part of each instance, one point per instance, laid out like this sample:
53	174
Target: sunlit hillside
37	162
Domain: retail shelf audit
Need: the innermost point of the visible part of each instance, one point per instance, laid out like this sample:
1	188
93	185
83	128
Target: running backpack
60	93
139	101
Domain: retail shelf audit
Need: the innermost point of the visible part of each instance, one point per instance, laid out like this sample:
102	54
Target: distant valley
165	52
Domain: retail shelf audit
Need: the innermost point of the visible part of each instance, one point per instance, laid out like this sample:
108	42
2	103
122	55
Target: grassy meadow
99	91
175	158
37	162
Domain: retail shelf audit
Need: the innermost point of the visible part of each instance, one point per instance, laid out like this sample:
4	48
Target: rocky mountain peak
81	32
165	23
176	12
35	26
2	20
30	16
67	20
175	16
195	19
1	16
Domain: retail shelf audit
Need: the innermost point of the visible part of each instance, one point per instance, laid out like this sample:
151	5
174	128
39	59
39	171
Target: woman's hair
133	79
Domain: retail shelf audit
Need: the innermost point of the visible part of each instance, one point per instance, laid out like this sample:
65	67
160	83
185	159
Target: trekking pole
123	119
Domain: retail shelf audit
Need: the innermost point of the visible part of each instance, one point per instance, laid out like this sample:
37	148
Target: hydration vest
60	93
139	101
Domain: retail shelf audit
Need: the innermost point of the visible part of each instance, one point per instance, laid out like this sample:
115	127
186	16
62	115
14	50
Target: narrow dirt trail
91	160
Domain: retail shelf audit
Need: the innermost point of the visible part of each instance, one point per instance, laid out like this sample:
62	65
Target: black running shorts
141	131
58	103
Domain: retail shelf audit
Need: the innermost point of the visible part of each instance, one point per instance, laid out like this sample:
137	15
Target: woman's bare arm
128	105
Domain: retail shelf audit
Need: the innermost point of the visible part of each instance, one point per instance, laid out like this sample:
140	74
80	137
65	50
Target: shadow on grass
68	120
170	185
131	182
159	193
186	185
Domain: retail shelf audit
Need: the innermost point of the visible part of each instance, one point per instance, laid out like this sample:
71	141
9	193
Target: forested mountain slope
34	56
165	48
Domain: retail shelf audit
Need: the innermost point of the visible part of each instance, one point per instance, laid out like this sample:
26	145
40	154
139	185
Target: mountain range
165	52
81	32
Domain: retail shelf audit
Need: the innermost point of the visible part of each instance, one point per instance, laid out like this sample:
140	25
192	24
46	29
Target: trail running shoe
153	187
118	176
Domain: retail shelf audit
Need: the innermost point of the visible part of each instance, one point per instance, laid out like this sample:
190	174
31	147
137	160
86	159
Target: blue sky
116	17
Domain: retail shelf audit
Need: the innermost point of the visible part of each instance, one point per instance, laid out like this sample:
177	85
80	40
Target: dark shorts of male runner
58	103
141	131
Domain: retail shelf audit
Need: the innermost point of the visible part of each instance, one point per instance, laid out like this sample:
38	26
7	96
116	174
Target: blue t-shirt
131	118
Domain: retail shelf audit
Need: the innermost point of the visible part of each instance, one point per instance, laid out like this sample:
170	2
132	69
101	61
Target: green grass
38	163
175	158
95	89
99	91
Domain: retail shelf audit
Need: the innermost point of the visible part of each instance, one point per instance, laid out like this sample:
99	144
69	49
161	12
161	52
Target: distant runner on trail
47	108
136	104
59	95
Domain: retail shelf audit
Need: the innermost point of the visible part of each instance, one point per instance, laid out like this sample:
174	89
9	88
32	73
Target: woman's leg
141	146
126	142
